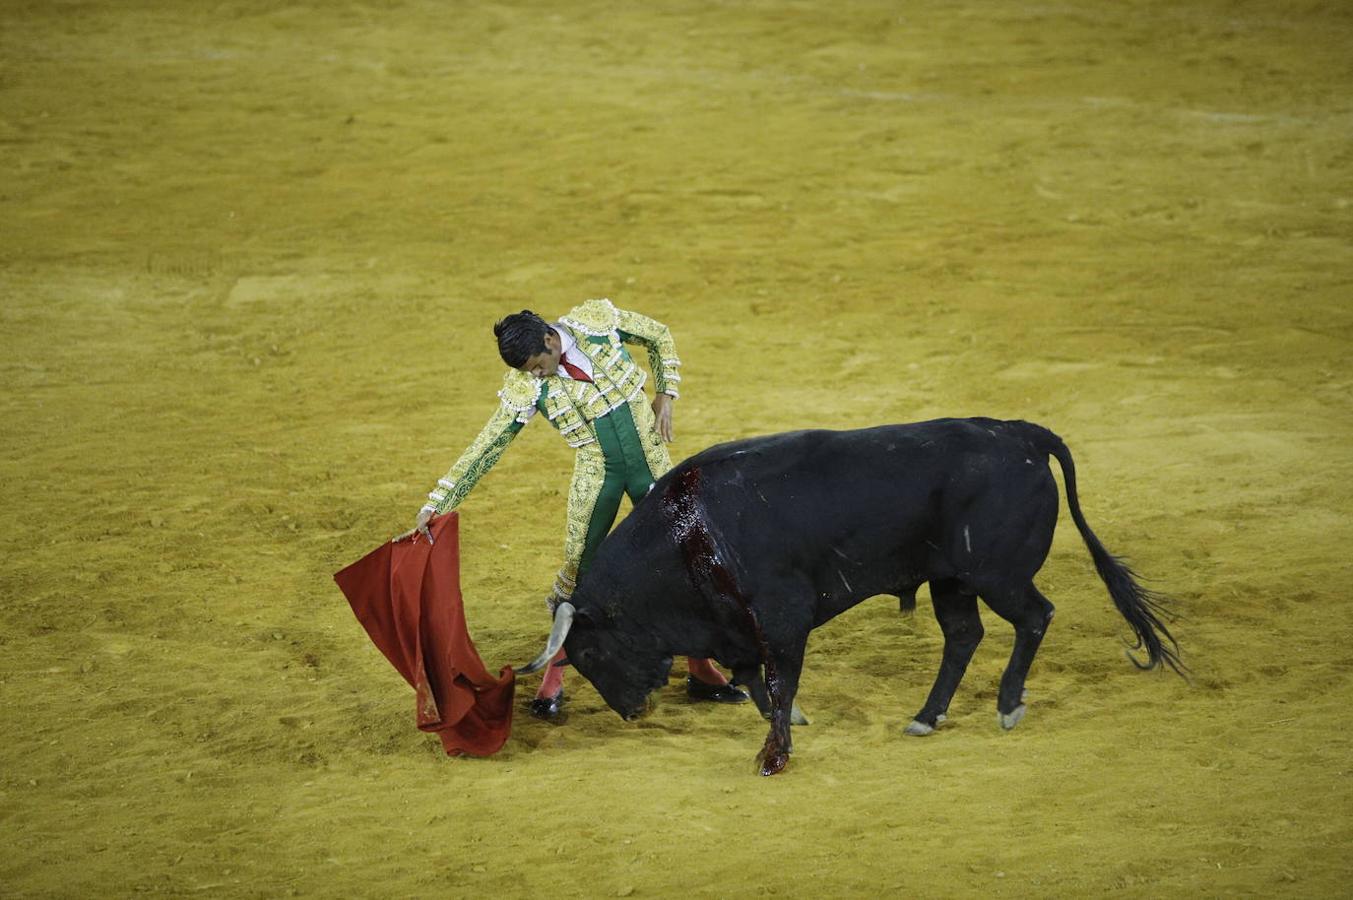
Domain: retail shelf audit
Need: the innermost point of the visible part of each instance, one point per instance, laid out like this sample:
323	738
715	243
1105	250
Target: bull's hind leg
1031	613
956	612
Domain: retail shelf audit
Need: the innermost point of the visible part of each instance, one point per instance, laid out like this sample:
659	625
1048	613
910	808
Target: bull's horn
563	621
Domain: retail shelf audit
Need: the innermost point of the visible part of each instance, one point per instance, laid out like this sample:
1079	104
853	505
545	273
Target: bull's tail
1142	608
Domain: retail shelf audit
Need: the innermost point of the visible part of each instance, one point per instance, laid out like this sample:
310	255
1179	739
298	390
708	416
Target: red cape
407	597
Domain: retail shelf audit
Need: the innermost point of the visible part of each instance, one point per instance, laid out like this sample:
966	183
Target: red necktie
574	372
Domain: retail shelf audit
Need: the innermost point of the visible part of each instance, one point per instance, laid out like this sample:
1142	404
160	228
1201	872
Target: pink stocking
553	682
703	670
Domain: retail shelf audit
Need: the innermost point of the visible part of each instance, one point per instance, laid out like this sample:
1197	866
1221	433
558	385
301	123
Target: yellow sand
250	258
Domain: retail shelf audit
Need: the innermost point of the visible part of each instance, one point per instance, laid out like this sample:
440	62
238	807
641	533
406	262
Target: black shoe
717	693
547	707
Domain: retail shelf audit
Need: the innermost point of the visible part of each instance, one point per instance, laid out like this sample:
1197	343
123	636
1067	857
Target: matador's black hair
520	337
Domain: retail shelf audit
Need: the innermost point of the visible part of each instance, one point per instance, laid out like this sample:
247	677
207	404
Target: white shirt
569	348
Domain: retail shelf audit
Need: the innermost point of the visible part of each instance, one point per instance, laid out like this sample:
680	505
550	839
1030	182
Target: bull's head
624	668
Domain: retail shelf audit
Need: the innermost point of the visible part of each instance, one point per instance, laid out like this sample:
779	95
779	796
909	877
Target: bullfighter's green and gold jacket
602	331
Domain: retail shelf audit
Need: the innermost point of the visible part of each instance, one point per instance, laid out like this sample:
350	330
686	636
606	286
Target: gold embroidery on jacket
589	474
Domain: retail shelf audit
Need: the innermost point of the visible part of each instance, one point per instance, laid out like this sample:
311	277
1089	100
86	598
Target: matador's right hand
420	526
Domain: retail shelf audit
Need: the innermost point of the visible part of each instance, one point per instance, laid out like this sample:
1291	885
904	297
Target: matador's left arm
657	339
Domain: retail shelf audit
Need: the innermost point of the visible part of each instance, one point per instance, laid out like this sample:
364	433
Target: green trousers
627	472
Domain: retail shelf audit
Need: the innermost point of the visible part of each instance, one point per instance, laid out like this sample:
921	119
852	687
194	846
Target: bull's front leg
750	678
782	683
756	686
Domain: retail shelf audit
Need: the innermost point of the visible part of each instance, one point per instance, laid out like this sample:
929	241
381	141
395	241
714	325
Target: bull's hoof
774	763
917	728
1011	719
774	755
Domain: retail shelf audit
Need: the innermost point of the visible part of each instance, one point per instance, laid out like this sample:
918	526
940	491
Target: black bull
740	551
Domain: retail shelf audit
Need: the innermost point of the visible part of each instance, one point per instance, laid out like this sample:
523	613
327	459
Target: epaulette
595	318
520	392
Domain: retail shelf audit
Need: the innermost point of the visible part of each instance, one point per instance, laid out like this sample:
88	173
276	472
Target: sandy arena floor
251	255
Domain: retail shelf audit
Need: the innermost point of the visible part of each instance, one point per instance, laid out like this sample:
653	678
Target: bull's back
836	464
872	488
795	495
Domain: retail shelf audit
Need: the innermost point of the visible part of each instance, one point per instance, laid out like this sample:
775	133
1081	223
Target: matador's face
543	365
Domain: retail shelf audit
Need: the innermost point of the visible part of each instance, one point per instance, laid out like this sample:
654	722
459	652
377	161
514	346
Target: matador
579	374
